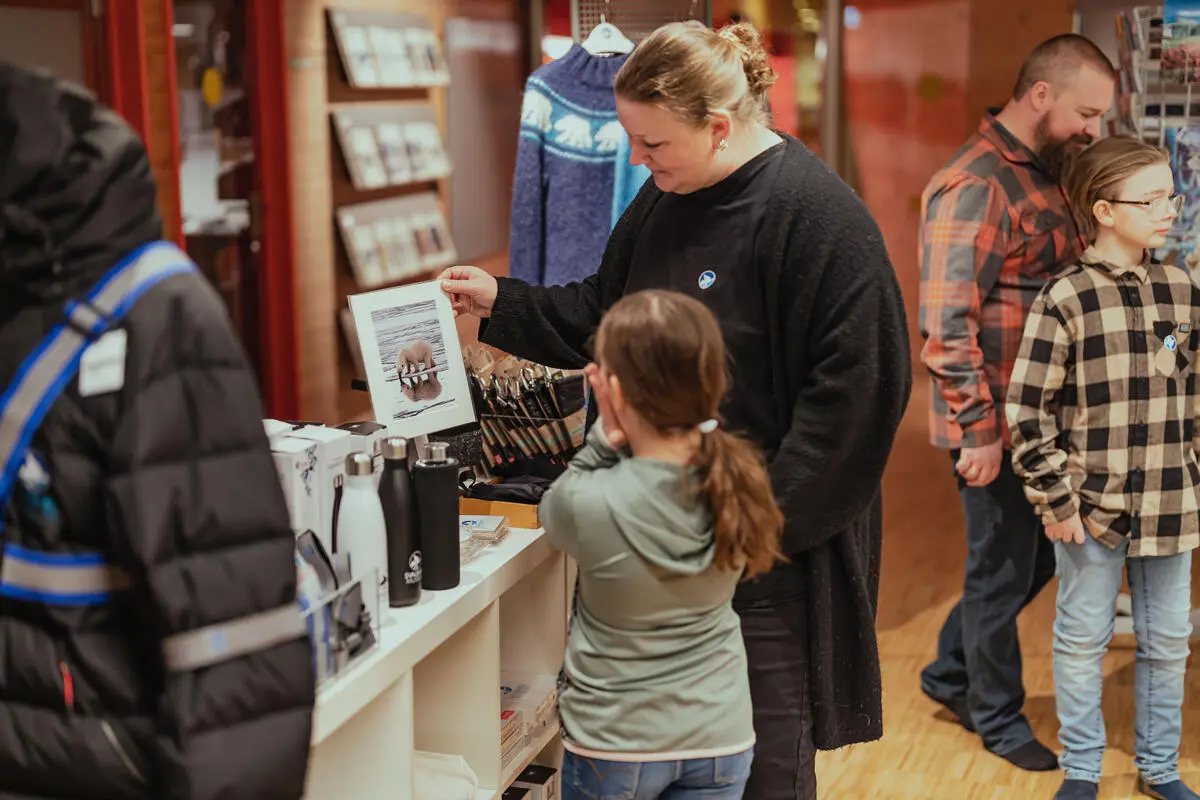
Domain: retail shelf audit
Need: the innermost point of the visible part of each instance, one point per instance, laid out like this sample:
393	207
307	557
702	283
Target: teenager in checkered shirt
1102	408
997	226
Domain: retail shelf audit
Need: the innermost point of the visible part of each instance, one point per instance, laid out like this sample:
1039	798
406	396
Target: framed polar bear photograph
414	367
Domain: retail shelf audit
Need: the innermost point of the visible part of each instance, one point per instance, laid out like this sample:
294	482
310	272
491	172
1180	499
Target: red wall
906	72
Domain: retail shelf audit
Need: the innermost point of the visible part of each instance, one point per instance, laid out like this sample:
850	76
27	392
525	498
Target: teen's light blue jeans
1161	586
722	778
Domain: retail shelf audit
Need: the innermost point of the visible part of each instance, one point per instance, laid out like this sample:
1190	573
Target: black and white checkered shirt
1103	402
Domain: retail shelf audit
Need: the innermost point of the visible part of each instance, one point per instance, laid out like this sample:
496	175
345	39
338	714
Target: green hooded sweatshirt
655	664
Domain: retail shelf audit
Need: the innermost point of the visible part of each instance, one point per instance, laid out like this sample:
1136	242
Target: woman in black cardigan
751	223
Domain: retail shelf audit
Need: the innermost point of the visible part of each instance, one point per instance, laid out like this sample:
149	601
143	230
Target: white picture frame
406	325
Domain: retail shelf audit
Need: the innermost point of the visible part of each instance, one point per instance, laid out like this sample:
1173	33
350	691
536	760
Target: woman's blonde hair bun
692	71
760	77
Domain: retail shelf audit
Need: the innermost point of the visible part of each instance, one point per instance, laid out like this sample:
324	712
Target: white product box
333	445
367	437
276	430
296	462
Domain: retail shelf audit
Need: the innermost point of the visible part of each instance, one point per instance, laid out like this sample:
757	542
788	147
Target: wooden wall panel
162	112
1000	36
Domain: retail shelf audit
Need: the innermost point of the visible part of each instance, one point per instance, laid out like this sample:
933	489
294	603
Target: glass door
218	179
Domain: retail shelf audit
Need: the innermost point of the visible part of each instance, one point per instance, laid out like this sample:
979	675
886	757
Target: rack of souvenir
1158	100
531	418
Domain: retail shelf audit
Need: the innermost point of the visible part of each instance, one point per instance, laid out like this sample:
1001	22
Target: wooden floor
922	755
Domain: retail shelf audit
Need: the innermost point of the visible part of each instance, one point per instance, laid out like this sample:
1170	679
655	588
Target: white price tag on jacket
102	368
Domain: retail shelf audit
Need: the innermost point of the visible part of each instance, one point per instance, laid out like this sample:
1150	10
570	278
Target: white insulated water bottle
362	531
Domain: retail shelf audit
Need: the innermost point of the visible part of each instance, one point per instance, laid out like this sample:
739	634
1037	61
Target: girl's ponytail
667	352
748	523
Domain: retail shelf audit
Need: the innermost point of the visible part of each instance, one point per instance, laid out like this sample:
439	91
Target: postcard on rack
1180	61
415	372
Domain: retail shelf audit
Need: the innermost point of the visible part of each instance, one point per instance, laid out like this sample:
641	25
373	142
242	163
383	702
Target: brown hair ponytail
748	523
666	350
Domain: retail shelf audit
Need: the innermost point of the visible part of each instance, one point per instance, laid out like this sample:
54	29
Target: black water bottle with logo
400	517
435	481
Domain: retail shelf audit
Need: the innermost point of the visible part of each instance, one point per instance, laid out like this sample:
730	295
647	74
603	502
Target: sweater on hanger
573	179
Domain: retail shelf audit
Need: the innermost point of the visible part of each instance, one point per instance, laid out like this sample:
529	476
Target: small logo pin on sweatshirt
707	279
1171	342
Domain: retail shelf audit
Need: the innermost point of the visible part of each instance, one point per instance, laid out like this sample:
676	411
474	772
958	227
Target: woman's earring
722	145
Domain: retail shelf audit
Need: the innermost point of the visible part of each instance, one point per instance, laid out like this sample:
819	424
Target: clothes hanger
606	38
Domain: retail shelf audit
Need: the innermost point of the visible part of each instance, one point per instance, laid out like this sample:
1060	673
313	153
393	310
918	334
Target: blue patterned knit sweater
573	179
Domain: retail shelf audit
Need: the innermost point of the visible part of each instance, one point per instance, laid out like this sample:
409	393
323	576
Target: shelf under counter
408	635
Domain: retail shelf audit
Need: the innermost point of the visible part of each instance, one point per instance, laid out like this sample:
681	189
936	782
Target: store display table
433	682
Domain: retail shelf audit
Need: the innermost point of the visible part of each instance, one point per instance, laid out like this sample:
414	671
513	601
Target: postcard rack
1158	100
1149	104
386	79
390	144
392	241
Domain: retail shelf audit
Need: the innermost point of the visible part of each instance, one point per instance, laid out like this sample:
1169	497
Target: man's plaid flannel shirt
1103	402
995	229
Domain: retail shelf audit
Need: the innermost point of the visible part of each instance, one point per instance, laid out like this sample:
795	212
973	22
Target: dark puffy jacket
169	477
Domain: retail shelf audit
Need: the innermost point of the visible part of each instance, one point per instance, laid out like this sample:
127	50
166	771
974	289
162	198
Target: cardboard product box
296	463
543	783
333	445
520	515
367	437
516	793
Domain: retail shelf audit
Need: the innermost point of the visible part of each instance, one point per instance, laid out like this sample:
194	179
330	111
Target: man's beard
1054	155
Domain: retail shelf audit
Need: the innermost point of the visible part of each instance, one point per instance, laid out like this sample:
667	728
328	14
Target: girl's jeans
1089	580
722	778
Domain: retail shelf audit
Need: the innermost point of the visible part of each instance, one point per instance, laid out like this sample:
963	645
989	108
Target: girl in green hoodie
664	513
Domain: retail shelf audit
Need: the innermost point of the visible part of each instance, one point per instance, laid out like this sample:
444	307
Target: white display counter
433	682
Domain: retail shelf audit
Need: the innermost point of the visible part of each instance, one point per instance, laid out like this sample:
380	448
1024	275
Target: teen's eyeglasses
1159	206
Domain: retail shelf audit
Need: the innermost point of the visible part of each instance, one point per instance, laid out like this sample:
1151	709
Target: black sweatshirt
702	244
836	378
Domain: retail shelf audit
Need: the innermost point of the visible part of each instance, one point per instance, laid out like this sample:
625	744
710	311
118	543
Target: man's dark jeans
1009	560
785	756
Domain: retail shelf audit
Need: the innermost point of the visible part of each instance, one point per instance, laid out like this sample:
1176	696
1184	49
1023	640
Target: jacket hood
76	190
662	522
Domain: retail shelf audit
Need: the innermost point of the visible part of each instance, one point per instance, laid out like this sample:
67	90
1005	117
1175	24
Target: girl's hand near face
608	418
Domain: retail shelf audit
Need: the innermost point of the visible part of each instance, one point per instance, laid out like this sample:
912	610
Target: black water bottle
435	482
400	516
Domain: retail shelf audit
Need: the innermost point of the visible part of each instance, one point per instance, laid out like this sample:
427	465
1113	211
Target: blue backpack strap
68	578
78	579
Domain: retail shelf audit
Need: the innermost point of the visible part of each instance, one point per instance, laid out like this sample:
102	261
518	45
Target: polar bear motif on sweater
536	110
609	137
574	131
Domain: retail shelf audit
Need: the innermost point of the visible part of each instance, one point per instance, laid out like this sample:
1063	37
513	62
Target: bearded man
996	227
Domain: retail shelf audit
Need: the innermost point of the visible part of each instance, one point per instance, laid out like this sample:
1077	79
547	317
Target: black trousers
1009	561
785	757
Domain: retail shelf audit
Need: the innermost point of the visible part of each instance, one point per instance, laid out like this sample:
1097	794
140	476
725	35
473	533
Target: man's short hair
1056	61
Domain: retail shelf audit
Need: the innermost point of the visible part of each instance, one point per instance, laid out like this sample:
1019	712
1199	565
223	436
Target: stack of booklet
512	736
534	697
477	532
